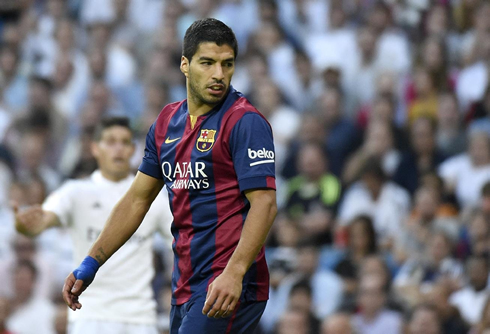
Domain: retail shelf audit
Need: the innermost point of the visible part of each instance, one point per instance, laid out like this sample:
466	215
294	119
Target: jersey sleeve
150	164
252	151
60	202
164	216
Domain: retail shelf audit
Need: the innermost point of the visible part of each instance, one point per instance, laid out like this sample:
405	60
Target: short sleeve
60	202
150	164
252	151
164	216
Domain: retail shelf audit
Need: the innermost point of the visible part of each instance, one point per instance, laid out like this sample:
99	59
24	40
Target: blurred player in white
121	300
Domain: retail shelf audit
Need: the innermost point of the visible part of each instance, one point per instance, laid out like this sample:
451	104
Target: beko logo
261	154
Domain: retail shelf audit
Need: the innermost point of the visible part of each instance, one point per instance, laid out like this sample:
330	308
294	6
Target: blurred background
381	120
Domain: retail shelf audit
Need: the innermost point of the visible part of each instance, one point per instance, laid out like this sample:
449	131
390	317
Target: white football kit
121	291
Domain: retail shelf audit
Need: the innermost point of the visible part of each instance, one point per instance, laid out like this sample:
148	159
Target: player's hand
78	281
28	221
71	290
223	295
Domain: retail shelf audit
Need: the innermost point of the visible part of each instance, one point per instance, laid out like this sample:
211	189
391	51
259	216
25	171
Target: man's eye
206	63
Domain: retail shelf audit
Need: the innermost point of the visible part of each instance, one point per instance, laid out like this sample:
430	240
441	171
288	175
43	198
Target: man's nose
218	74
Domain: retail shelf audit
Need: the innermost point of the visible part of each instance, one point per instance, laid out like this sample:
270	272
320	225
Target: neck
196	107
114	177
370	316
367	58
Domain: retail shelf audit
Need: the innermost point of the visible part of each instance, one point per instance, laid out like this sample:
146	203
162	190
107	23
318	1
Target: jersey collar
99	179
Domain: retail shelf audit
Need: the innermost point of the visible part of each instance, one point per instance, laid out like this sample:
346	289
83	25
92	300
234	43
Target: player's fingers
210	299
77	287
67	295
225	308
233	305
216	310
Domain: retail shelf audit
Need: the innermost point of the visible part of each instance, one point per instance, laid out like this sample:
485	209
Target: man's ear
184	66
94	148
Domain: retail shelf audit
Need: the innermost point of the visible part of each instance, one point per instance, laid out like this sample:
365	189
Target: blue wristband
86	270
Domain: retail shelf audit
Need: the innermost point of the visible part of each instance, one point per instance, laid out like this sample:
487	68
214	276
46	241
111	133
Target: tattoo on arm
101	257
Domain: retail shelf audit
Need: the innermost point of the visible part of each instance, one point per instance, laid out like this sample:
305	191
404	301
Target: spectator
300	298
342	135
428	216
283	119
30	315
424	103
373	316
326	286
313	195
338	323
424	320
450	137
373	195
294	321
361	244
335	48
361	84
32	156
392	48
471	299
422	158
437	264
383	109
311	131
474	235
15	83
465	174
449	317
271	40
310	84
378	144
26	250
434	57
473	79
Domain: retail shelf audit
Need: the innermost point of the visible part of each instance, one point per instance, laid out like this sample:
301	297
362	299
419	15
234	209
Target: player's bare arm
124	220
224	293
33	220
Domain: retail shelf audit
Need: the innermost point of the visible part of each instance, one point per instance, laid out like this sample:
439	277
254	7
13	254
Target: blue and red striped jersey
206	170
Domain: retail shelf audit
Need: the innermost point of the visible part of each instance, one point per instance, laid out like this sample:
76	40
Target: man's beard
199	97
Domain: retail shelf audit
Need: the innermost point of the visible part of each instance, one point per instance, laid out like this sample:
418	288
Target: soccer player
121	300
215	154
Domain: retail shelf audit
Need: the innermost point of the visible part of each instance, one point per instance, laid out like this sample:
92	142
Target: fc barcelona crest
205	140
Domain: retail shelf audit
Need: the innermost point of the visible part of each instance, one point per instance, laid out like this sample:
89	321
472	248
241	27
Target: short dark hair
302	285
108	122
373	168
207	30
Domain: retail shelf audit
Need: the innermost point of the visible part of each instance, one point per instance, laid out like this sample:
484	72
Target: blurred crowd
381	119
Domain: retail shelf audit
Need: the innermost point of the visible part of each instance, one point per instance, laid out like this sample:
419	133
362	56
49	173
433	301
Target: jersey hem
256	182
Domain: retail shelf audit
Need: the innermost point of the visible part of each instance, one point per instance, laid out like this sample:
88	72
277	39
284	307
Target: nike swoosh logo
168	140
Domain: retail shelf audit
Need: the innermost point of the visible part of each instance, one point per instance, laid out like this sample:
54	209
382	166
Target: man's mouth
216	88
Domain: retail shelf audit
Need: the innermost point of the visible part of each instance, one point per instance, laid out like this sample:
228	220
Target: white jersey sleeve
161	210
61	202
